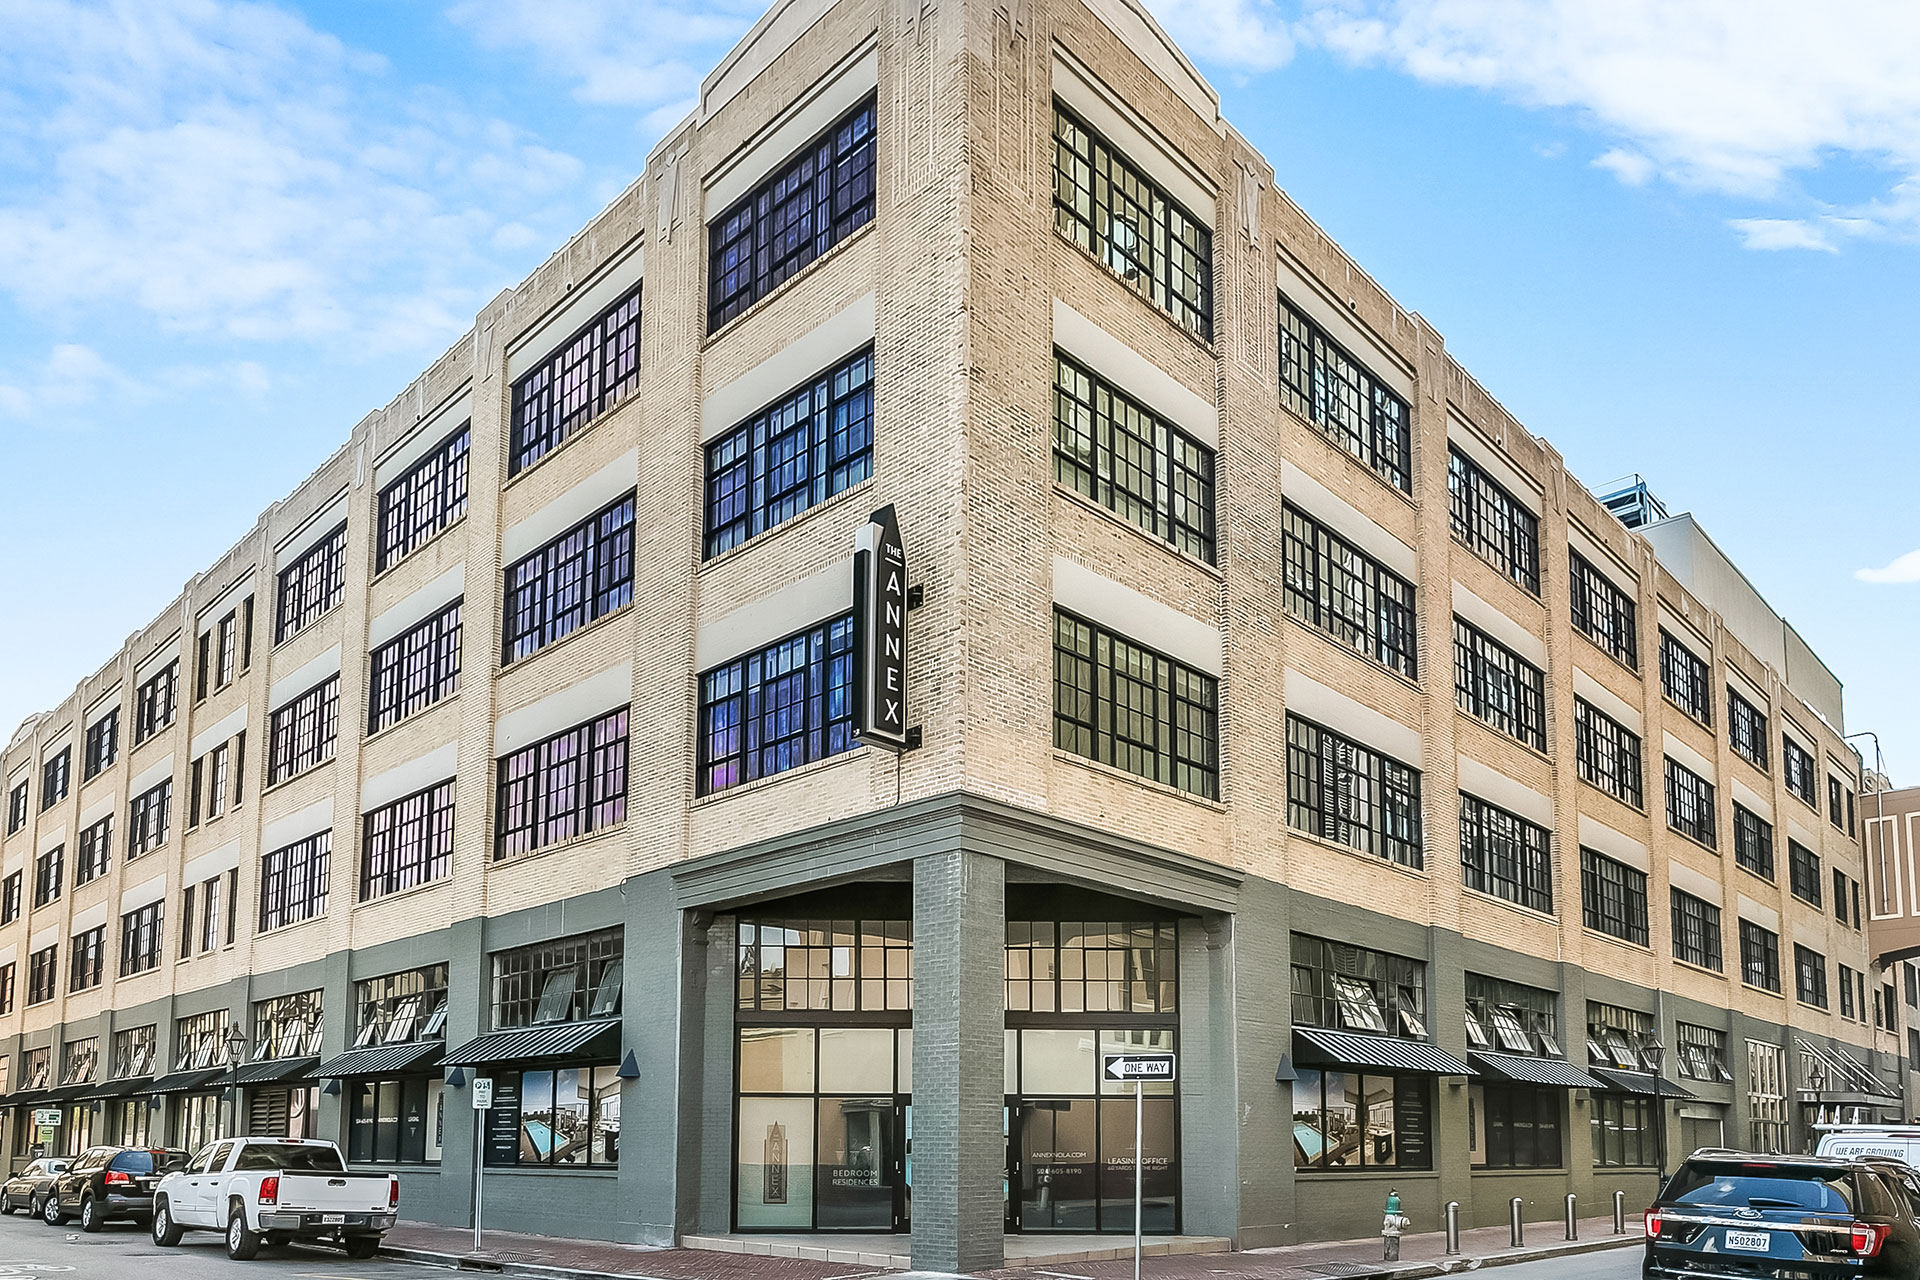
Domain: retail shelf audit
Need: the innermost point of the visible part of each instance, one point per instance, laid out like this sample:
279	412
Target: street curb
1407	1271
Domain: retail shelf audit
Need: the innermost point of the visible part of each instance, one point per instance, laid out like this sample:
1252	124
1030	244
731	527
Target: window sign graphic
774	1165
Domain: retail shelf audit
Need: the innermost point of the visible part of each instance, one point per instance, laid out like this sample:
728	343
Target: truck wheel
90	1219
50	1211
242	1244
166	1232
362	1246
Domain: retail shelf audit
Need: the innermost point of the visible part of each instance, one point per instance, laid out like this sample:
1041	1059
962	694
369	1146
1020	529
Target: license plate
335	1219
1752	1241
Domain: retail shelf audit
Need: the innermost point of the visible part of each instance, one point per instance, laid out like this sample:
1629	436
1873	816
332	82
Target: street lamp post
236	1045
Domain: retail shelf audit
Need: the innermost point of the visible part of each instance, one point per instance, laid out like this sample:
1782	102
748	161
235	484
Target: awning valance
1640	1082
1317	1046
555	1040
184	1081
1524	1070
385	1060
270	1070
121	1088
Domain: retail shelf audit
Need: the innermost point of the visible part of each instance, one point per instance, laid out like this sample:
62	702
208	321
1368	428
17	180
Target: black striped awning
1524	1070
1640	1082
185	1081
384	1060
555	1040
122	1087
1317	1046
270	1070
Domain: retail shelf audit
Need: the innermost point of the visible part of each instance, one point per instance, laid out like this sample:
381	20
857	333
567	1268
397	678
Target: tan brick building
519	740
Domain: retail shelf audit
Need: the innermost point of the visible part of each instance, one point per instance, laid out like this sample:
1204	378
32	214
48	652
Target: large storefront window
197	1120
1515	1126
1104	966
1623	1135
1766	1096
1350	1120
840	965
396	1121
129	1122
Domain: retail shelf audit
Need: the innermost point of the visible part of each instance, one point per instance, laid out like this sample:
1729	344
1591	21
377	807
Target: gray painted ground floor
902	1080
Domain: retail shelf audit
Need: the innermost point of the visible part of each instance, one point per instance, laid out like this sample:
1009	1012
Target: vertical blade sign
880	632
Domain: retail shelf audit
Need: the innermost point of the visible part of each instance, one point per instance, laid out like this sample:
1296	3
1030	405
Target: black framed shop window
1492	522
1125	705
1352	795
1349	1120
846	966
1350	988
1323	384
1603	613
1613	897
1511	1017
588	375
1623	1134
1494	684
1701	1053
398	1121
1339	590
565	980
398	1008
1515	1126
1503	854
1114	450
1092	966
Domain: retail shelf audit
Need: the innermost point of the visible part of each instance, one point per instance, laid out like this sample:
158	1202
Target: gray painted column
959	1022
1210	1153
1261	1014
709	1112
650	1103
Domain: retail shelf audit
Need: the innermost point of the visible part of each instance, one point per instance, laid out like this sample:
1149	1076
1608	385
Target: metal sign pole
1139	1088
479	1122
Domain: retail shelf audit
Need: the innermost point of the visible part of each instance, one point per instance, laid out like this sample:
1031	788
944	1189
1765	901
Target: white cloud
1745	98
229	170
1246	35
1904	569
1782	233
72	376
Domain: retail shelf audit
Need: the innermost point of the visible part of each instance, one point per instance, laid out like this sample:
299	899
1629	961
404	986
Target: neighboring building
1278	698
1890	828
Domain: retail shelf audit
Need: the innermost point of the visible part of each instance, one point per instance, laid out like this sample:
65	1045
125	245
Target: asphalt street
1610	1264
30	1249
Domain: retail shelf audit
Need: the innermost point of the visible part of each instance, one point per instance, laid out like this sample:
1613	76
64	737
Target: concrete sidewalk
551	1258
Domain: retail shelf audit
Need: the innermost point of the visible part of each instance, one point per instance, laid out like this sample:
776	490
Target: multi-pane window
43	975
155	702
1613	897
1492	522
559	397
56	778
1092	966
1606	753
287	1026
1847	1004
1685	678
219	901
102	745
220	776
1493	683
10	891
1746	729
197	1040
1330	389
1125	705
147	818
1113	211
87	959
415	669
1803	872
293	881
1700	1053
1623	1039
1344	1120
95	851
312	584
585	573
1696	930
429	497
401	1007
408	842
812	443
49	868
1766	1096
301	734
140	941
1603	612
1521	1123
133	1051
1622	1131
6	988
807	206
1841	817
1352	795
1512	1017
16	808
845	966
1752	841
777	708
1809	976
1334	587
564	786
1797	766
401	1119
1690	803
1759	956
1349	988
1114	450
567	980
1503	854
80	1060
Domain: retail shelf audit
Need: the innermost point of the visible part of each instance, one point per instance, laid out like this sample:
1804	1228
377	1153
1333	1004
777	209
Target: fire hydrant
1392	1225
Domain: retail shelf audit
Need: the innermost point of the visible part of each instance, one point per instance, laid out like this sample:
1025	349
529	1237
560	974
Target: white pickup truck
273	1190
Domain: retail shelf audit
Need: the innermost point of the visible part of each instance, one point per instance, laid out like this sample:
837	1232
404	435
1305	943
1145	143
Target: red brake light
1653	1223
270	1189
115	1178
393	1191
1867	1237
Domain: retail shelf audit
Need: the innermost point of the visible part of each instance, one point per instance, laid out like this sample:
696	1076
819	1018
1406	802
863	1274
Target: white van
1894	1141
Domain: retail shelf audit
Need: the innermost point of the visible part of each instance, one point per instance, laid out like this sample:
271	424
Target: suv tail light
1653	1223
1867	1237
393	1191
270	1189
115	1178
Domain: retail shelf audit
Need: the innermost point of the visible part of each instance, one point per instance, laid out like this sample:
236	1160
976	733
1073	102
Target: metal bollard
1453	1226
1513	1221
1619	1213
1573	1227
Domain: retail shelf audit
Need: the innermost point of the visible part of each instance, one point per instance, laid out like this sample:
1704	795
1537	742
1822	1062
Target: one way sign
1137	1066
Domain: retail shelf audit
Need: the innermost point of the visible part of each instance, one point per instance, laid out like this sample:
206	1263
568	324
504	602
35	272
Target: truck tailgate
333	1192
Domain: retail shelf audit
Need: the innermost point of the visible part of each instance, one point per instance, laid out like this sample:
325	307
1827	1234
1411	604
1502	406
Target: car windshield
290	1158
1764	1186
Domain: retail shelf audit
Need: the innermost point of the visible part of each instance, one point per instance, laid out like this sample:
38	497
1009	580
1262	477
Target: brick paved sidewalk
551	1256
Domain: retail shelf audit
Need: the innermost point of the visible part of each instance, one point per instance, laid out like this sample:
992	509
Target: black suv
1730	1213
108	1182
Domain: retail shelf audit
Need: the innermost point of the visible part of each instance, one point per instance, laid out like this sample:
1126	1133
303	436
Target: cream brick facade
966	276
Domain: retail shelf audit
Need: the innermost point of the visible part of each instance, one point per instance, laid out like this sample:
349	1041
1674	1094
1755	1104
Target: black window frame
102	745
1691	804
1809	976
1412	1116
773	232
12	895
1697	935
520	978
312	585
1503	1122
1393	831
1324	572
413	507
49	875
43	975
1803	873
1796	764
17	806
1148	266
577	577
407	842
56	778
812	443
416	669
1602	612
1325	386
149	818
1752	841
1686	678
1746	730
156	702
576	384
593	755
1491	522
1759	956
1394	987
735	711
1505	855
142	940
1613	898
303	732
93	851
1108	446
1616	1117
294	881
1176	743
87	959
1498	687
1607	755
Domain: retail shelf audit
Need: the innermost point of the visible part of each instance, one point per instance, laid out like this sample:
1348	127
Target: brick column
959	1020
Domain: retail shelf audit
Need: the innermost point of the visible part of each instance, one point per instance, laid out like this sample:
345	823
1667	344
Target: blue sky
1677	240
